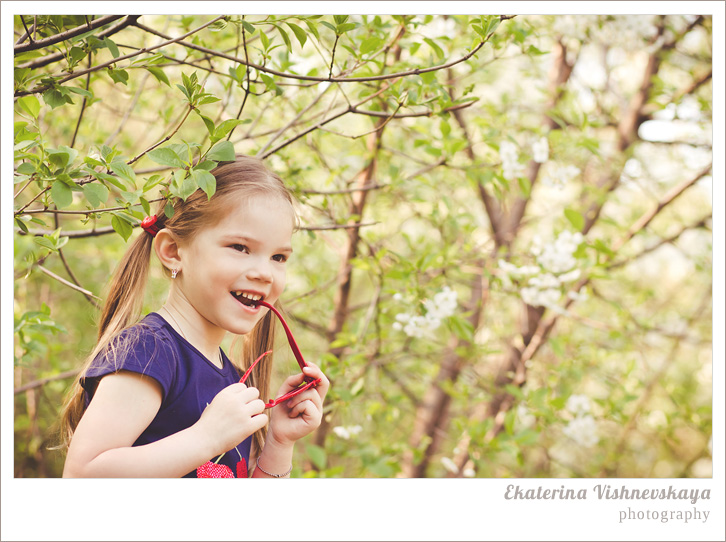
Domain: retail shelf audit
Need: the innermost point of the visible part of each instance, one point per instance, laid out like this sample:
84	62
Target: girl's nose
260	270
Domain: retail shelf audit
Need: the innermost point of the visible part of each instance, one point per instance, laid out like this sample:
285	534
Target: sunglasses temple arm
248	371
293	393
290	339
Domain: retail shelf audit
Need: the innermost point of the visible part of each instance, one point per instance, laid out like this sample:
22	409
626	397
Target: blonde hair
244	177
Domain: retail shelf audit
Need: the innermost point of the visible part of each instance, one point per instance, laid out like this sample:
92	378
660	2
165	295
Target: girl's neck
195	329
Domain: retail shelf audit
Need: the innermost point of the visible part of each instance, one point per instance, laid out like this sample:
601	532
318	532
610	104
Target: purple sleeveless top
189	381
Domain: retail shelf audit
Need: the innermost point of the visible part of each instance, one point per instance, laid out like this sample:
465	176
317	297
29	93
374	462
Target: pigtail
121	309
254	344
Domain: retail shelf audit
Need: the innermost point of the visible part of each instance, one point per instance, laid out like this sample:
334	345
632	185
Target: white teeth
253	297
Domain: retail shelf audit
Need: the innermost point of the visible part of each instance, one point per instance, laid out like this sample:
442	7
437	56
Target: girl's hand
234	414
302	414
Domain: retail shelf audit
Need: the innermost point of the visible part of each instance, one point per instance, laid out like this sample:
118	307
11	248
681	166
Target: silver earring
174	273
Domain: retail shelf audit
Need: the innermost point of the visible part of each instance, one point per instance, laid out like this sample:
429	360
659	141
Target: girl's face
242	256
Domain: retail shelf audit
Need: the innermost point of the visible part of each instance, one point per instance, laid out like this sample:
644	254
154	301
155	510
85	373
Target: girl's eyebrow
242	238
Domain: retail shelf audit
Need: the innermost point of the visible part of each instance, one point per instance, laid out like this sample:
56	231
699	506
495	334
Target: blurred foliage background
505	260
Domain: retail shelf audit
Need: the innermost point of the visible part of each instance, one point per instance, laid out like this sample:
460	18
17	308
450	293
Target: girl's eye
240	248
280	258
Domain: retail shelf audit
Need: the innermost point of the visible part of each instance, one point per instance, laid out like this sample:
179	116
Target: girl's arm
125	403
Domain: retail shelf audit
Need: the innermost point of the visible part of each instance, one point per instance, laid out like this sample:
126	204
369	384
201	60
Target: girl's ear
167	249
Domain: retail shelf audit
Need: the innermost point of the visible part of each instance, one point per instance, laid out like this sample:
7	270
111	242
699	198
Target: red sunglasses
308	382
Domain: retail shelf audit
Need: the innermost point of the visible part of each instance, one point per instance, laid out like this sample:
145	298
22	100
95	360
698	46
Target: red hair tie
149	225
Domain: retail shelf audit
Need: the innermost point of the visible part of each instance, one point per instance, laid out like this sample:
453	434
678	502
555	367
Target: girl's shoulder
147	347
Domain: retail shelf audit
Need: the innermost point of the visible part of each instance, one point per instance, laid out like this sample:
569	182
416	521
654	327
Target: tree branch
417	71
69	284
68	34
43	381
119	59
55	57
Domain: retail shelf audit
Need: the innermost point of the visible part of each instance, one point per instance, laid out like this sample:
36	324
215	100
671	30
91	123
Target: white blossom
469	473
557	257
582	430
449	465
441	306
569	276
578	404
347	432
541	151
397	296
577	296
526	418
511	168
559	176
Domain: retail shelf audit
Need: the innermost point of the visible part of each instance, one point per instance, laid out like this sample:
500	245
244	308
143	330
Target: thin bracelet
257	463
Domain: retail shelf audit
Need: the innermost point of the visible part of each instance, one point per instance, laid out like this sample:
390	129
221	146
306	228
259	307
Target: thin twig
83	103
167	138
323	122
69	284
21	39
374	186
43	381
339	226
74	279
258	67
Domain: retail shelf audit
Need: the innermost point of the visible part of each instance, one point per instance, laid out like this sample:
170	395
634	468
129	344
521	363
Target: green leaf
209	123
58	158
575	218
340	19
227	126
370	44
30	105
54	99
44	242
439	52
205	181
122	227
26	168
317	455
343	28
123	170
326	23
77	54
159	74
285	37
83	92
166	157
313	29
265	41
169	209
95	193
151	182
145	205
208	99
248	27
119	76
111	47
61	194
221	152
21	225
299	33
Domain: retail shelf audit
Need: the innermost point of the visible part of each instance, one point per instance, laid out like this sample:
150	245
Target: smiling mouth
247	298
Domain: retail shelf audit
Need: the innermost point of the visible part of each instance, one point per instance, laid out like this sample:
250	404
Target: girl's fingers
306	408
309	395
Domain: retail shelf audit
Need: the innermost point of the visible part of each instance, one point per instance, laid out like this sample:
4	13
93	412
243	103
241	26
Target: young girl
160	398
